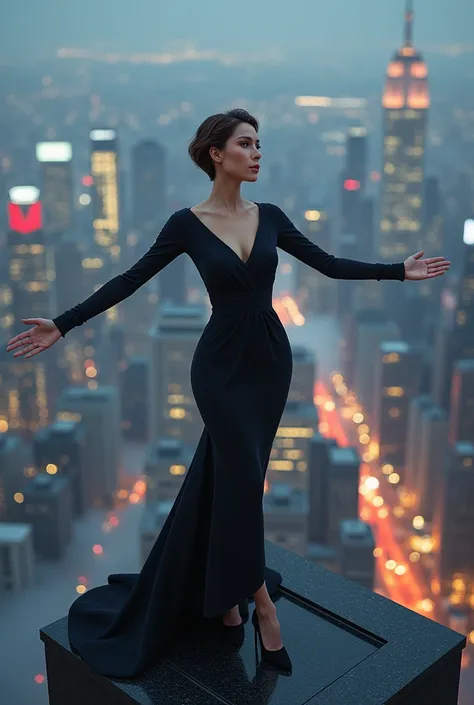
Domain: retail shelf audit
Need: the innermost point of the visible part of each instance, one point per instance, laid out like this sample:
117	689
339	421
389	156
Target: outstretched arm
291	240
167	246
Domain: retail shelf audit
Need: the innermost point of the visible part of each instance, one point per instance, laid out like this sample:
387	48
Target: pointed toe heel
279	659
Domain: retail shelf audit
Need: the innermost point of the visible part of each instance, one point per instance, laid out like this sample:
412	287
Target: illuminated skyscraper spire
408	39
406	100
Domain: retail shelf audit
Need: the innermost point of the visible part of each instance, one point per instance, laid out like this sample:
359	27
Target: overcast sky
33	28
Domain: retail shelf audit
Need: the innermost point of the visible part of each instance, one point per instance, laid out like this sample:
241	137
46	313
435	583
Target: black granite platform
348	645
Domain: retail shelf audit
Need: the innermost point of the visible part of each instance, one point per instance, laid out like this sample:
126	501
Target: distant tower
356	157
405	101
455	338
105	256
148	187
353	181
31	273
104	170
56	186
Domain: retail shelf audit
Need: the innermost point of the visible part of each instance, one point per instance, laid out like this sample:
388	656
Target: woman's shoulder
179	214
275	213
175	226
272	207
177	220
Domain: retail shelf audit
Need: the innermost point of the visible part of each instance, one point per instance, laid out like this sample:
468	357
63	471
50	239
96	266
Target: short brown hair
214	132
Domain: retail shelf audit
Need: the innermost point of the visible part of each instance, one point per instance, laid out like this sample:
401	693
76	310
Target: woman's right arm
167	246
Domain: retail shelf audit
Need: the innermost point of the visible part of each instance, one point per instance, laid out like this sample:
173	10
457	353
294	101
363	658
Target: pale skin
234	220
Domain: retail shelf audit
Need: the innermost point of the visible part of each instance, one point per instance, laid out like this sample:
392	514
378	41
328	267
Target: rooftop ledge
348	646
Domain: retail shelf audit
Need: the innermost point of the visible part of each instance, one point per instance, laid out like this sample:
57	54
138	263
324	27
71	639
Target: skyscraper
397	376
148	187
356	156
461	426
150	211
315	294
104	261
405	101
455	338
98	410
56	185
289	455
354	177
453	524
356	227
173	409
31	275
104	170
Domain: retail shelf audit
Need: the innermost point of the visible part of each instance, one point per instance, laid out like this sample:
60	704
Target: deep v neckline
228	246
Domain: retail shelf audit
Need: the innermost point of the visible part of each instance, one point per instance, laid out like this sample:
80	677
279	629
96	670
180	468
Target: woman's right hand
33	341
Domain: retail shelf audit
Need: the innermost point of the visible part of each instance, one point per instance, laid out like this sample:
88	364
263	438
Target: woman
209	556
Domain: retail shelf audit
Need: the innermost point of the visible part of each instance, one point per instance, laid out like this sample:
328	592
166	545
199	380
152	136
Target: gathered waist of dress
243	301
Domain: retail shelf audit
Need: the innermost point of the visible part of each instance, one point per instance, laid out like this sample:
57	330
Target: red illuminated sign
25	219
351	185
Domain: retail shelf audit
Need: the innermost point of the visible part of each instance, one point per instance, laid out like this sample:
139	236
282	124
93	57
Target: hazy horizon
37	31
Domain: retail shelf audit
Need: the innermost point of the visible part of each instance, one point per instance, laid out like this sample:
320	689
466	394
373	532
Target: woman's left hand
417	269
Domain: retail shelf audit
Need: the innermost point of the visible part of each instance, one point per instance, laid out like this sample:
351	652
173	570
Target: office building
135	398
304	375
397	380
98	410
16	466
105	174
356	552
55	159
371	328
59	449
416	407
166	464
289	456
31	276
434	443
406	101
461	426
173	410
342	487
314	293
17	563
148	188
47	506
285	516
453	525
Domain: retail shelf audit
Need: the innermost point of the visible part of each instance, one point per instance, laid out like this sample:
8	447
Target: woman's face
240	157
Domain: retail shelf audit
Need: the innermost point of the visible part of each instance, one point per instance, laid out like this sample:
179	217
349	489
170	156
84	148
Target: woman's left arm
291	240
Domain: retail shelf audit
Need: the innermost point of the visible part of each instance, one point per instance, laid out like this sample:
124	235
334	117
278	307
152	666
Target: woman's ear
215	154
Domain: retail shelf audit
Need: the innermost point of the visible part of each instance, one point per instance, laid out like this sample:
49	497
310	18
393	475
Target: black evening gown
210	553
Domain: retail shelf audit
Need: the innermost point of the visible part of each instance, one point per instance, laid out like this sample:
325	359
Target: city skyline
369	165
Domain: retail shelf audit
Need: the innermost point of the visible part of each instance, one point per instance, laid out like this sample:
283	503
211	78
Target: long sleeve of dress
291	240
167	246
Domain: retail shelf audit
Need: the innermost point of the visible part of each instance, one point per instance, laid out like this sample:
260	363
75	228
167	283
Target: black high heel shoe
235	634
278	659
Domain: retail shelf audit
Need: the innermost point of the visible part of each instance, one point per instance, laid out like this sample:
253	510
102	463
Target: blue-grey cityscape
366	122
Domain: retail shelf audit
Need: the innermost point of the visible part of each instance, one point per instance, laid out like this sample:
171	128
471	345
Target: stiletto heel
278	659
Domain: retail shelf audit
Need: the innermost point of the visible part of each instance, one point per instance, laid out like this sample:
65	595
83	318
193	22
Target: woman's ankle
266	610
232	616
